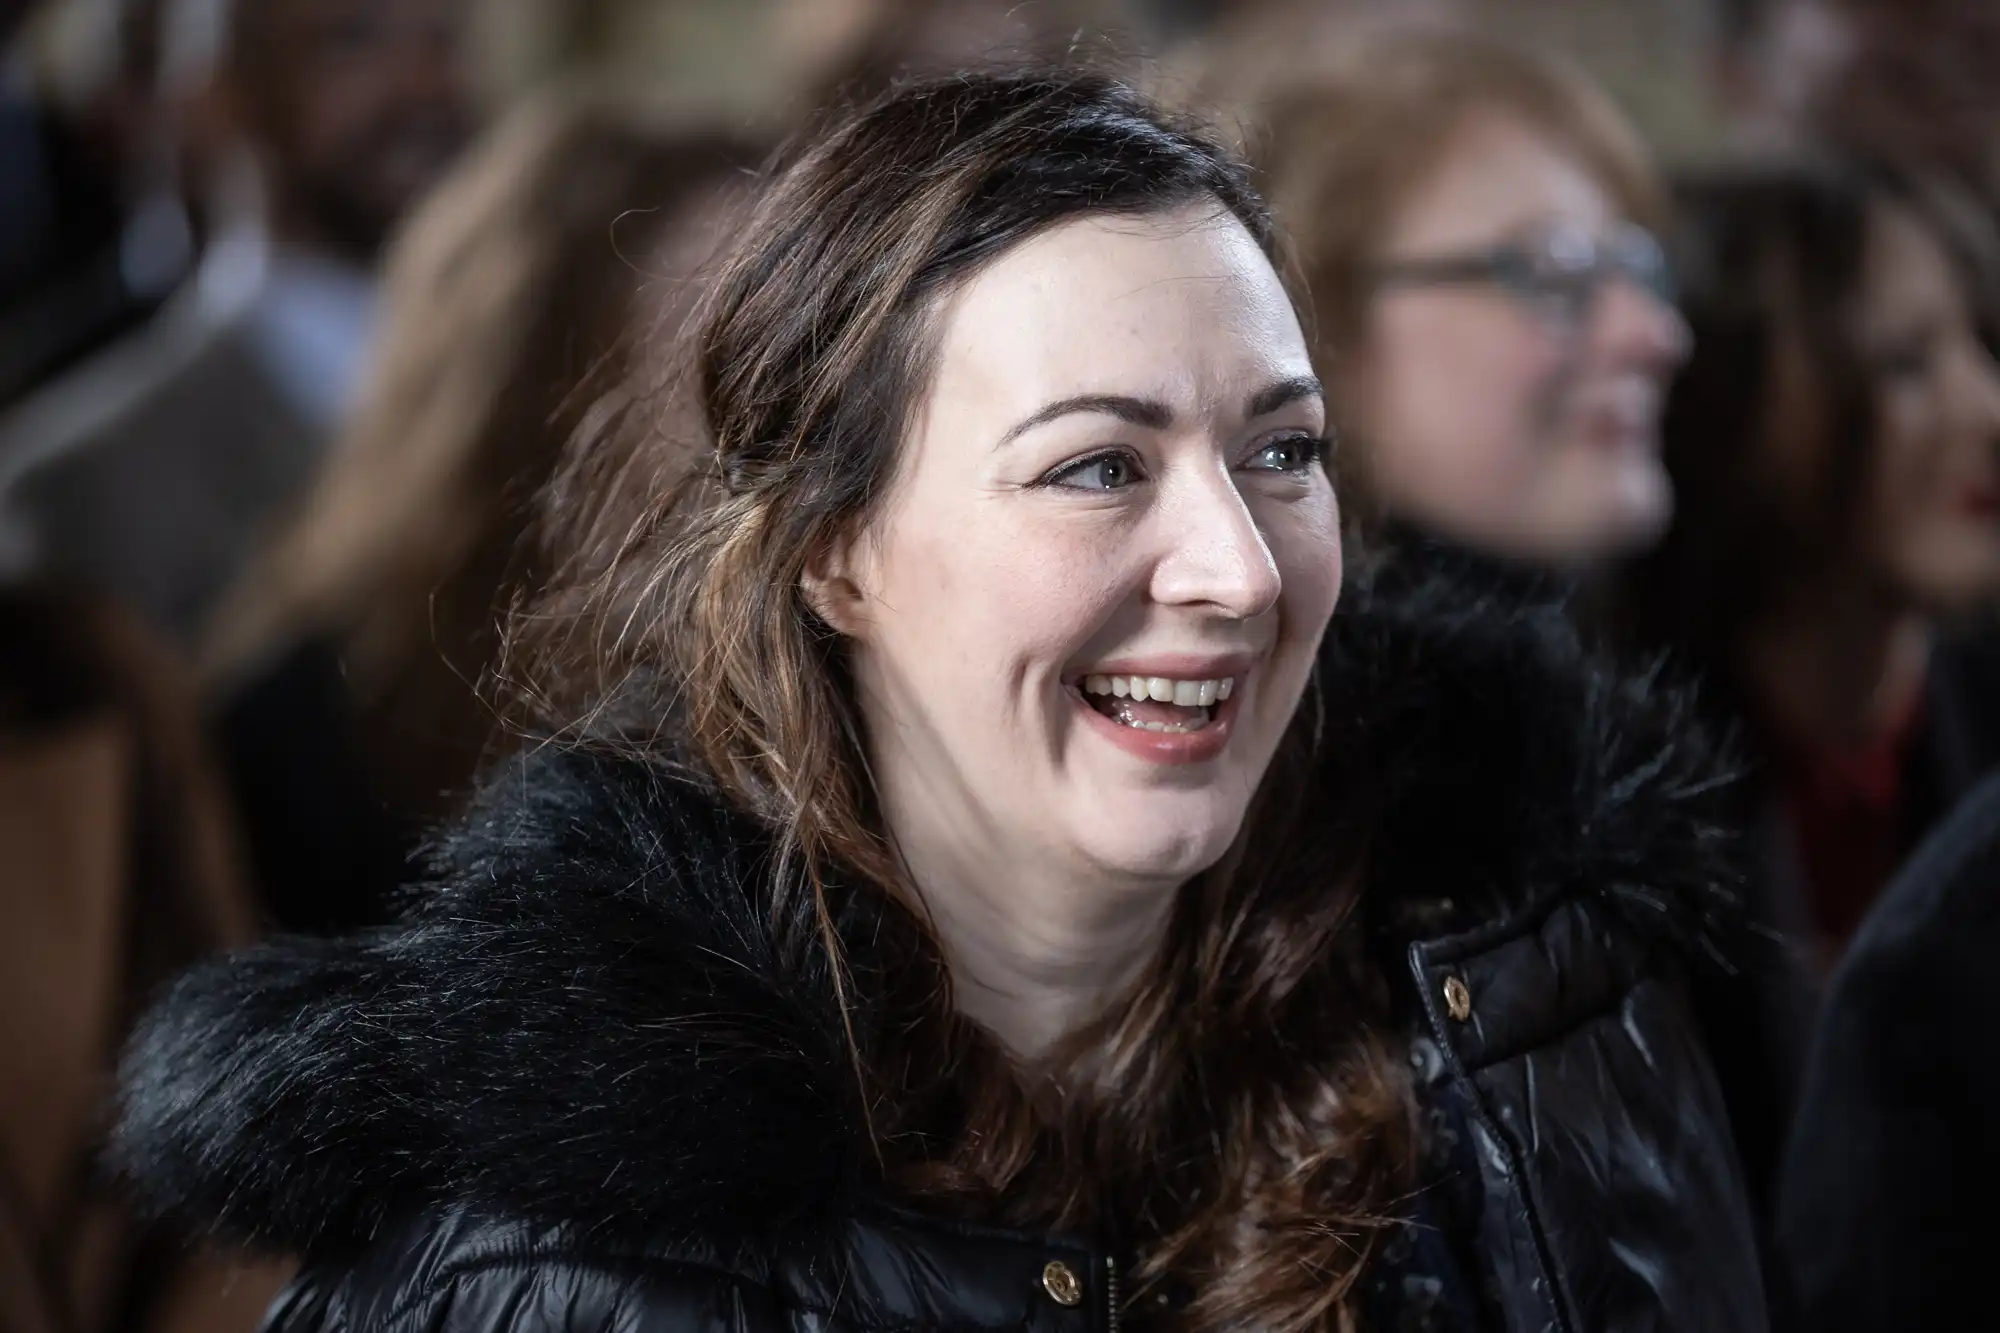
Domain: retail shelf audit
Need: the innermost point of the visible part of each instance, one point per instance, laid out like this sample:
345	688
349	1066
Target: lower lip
1164	747
1623	438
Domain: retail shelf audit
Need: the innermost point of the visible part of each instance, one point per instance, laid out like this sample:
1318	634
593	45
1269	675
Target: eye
1907	358
1290	453
1110	471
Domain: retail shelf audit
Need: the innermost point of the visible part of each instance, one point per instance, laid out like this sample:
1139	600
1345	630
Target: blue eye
1293	453
1100	472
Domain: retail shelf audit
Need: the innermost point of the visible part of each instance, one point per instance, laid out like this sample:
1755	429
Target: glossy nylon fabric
581	1085
453	1275
1613	1199
1610	1196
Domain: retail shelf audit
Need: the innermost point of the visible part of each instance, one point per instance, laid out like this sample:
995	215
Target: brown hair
515	281
1236	1117
1343	152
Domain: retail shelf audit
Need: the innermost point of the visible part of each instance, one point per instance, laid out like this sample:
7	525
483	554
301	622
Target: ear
833	592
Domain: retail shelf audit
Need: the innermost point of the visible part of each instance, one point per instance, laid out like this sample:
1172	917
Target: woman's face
1085	614
1512	425
1932	503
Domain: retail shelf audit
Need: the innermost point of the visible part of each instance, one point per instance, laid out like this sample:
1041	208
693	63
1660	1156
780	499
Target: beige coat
117	868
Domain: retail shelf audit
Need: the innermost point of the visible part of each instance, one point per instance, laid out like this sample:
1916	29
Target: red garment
1846	810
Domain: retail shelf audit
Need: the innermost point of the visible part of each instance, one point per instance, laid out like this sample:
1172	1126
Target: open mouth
1157	703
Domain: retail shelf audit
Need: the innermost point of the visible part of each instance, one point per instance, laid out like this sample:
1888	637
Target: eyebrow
1156	415
1283	394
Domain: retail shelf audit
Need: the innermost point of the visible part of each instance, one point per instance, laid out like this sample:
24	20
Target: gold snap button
1457	999
1059	1280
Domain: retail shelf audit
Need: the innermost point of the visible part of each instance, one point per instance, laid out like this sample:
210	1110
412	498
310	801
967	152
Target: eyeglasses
1555	272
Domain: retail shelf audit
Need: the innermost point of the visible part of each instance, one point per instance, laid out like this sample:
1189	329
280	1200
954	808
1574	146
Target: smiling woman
982	894
1157	511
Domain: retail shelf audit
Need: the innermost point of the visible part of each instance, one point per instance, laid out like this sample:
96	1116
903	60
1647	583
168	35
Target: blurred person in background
1835	443
1836	438
118	868
513	297
155	468
159	467
1890	1170
1474	223
1915	82
93	231
1231	54
1773	66
1922	87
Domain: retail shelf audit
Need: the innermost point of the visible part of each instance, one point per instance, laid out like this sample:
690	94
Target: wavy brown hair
1235	1121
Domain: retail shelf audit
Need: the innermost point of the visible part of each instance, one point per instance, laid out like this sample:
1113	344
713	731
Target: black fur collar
586	1019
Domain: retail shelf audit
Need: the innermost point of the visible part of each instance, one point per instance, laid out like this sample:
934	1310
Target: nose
1213	554
1637	328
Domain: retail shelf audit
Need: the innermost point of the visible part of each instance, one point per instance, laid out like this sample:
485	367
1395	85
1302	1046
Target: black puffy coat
578	1087
1886	1200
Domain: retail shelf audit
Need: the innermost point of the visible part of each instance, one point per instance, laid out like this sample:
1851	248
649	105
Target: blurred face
359	106
1932	521
1498	406
1084	617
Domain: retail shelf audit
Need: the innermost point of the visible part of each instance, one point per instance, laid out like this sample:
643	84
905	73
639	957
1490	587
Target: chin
1630	513
1160	846
1639	506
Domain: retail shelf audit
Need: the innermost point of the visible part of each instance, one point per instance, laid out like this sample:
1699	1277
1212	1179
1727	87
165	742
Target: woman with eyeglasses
1493	310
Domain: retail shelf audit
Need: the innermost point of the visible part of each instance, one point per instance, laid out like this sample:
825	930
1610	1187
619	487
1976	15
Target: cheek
1468	392
1305	546
1921	530
980	597
1909	475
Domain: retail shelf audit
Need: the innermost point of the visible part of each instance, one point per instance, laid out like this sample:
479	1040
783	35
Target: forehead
1907	272
1181	306
1497	174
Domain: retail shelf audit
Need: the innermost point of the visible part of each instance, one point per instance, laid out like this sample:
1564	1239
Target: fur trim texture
586	1015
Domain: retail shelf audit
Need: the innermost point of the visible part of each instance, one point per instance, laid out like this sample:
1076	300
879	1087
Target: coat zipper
1111	1292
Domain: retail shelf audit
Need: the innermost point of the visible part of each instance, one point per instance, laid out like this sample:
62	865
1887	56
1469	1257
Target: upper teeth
1187	693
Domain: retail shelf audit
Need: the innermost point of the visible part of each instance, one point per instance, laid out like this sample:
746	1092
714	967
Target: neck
1838	665
1035	950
